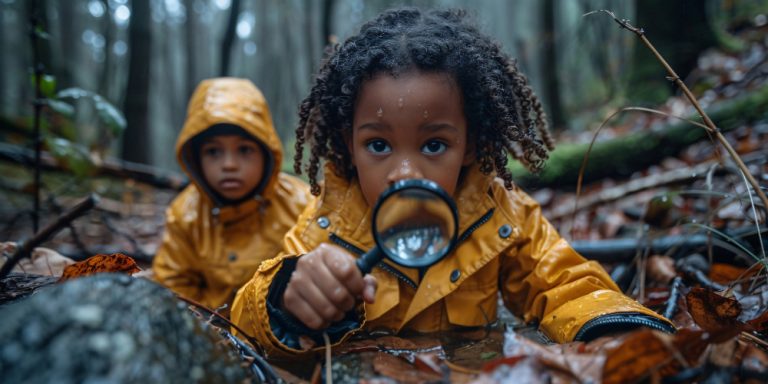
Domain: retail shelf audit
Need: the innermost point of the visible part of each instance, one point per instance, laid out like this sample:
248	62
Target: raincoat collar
237	102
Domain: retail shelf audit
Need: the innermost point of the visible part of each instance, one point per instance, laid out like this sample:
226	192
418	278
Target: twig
38	105
584	161
328	370
674	296
220	317
26	247
754	339
711	128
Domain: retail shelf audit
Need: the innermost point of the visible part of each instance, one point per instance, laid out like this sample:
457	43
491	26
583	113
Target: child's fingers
344	269
303	311
369	292
304	284
336	298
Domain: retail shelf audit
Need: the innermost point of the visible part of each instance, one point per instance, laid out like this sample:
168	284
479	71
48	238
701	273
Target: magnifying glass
415	224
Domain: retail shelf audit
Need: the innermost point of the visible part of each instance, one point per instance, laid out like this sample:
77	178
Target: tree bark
136	146
229	38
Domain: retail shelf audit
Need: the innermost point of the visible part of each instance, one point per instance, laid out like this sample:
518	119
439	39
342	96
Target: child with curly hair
420	94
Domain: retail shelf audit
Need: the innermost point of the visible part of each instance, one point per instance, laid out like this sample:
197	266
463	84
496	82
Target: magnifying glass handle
369	259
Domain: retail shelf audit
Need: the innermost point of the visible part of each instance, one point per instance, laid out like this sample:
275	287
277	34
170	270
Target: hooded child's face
232	165
406	127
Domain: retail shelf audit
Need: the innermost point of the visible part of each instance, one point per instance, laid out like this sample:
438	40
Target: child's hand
325	286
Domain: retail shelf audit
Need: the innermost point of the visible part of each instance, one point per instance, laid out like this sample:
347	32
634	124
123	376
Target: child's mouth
230	184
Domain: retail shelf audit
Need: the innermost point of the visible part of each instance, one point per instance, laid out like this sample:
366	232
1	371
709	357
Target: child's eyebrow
439	127
375	127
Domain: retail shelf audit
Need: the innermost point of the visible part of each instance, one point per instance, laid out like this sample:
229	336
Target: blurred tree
229	37
137	135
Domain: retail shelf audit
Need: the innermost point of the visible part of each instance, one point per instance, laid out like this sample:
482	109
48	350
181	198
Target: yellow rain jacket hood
211	248
505	245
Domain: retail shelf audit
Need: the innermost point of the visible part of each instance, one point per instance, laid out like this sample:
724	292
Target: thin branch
711	128
26	248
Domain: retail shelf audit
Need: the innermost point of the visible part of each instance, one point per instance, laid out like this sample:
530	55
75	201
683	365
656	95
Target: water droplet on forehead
426	114
380	112
400	102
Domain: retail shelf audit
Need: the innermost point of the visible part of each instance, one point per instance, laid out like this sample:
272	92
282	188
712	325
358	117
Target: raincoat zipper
623	319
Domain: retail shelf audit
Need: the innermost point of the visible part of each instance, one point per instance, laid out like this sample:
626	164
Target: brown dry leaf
754	359
714	313
377	344
568	361
760	323
400	370
661	269
724	274
640	353
42	261
116	262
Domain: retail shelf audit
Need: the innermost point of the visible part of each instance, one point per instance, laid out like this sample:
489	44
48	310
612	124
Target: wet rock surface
110	328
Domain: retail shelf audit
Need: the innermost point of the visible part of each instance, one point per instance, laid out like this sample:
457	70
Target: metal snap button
455	275
323	222
232	256
505	230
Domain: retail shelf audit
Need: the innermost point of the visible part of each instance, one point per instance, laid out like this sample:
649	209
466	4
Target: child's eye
434	147
211	151
378	146
246	149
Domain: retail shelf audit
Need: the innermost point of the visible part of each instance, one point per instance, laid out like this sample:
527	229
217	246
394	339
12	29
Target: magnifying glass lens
415	226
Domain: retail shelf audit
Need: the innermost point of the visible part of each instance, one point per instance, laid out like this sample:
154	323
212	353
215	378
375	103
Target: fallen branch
671	177
711	128
26	247
110	167
625	249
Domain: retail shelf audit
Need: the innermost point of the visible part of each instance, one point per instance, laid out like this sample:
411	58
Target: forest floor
680	236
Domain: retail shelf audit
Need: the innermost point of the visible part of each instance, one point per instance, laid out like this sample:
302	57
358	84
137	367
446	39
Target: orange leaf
116	262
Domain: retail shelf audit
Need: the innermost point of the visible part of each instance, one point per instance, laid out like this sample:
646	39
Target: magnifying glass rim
427	185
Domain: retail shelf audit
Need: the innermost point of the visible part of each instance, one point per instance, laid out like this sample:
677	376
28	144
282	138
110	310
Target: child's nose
405	170
230	161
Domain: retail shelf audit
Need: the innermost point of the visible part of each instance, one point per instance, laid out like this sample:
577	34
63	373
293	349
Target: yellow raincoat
509	247
211	249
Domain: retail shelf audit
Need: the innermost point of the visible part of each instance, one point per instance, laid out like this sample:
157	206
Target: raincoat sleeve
174	263
545	280
256	309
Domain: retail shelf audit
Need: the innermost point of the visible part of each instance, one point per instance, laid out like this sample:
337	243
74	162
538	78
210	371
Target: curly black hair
503	114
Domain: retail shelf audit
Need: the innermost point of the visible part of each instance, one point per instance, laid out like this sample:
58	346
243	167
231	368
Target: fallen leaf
42	261
722	273
400	370
116	262
661	269
714	313
639	354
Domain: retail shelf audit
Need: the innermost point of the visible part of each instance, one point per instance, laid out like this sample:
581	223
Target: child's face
405	127
232	165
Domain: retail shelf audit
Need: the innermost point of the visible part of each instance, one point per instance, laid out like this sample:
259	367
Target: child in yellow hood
238	206
425	95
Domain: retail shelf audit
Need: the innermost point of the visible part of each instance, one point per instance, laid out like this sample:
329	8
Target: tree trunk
229	38
136	138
